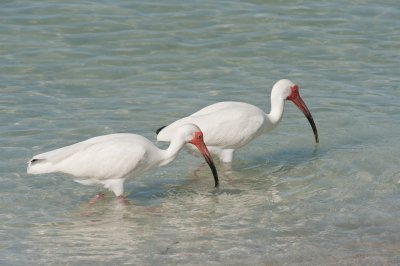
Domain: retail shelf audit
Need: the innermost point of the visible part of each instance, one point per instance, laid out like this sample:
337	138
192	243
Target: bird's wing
225	124
105	157
166	133
213	108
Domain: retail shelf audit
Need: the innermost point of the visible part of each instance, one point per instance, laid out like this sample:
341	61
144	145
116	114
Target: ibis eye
199	136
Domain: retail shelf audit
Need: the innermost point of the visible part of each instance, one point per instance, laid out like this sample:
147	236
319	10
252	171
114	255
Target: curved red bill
298	101
201	146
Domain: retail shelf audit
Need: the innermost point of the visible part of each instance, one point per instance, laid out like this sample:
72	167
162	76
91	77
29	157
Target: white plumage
228	126
111	159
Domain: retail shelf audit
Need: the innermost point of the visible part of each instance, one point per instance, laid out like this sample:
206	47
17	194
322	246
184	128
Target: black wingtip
35	161
158	130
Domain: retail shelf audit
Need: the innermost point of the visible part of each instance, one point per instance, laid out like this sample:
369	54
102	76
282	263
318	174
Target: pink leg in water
96	198
122	200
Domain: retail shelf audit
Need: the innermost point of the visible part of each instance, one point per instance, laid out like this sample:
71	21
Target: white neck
172	151
276	113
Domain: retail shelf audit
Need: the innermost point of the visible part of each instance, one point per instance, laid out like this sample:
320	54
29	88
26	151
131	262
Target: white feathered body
106	160
227	125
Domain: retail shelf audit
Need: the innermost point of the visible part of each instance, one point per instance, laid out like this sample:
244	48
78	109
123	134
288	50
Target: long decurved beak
298	101
206	154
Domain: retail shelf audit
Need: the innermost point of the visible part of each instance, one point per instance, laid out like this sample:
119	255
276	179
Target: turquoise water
78	69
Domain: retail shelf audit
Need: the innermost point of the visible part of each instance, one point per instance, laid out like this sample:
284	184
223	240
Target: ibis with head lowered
111	159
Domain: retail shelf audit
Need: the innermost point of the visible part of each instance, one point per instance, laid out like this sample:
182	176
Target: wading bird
228	126
110	159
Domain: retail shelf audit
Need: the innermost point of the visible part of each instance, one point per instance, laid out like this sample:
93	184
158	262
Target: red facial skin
199	143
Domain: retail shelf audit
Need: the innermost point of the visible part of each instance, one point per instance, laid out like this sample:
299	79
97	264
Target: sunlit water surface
74	70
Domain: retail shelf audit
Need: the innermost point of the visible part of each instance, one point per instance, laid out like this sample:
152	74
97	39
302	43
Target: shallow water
70	71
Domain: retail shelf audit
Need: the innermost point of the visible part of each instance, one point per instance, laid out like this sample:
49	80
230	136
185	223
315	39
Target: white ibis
109	160
228	126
